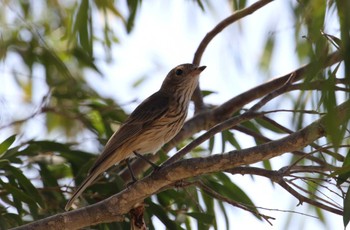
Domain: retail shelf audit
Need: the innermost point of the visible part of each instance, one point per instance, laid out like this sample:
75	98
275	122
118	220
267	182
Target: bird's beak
201	68
198	70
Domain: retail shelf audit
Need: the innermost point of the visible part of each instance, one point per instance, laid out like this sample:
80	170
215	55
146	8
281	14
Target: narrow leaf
28	187
5	145
346	214
202	217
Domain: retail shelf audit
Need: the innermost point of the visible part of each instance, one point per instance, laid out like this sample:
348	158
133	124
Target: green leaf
9	220
333	130
55	196
139	81
266	57
161	214
223	140
232	140
28	187
11	155
267	125
336	42
18	194
267	164
224	213
85	58
232	191
202	217
346	214
133	7
228	136
239	4
96	121
3	163
211	144
83	27
207	92
209	204
200	4
5	145
344	172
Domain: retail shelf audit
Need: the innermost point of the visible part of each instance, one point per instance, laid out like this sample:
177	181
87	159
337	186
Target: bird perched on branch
152	124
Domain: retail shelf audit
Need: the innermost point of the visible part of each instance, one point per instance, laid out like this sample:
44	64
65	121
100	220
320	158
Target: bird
151	125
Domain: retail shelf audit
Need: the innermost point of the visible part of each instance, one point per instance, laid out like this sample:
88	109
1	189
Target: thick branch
207	119
114	207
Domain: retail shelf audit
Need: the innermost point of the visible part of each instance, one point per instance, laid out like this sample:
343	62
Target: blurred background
73	70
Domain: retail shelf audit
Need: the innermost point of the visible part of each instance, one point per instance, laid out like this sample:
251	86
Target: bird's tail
92	176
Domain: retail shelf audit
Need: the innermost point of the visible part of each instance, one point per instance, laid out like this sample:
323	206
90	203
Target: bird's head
182	77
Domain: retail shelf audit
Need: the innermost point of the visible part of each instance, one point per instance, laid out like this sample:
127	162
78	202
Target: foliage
57	41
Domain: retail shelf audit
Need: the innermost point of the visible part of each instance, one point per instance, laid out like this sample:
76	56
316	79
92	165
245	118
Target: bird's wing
149	110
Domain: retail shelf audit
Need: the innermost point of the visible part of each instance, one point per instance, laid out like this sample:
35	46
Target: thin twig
210	133
38	110
218	196
302	199
316	197
197	95
278	177
223	24
273	94
234	104
317	148
304	111
309	181
251	113
264	139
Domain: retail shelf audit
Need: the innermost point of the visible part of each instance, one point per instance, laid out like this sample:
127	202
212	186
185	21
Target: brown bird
152	124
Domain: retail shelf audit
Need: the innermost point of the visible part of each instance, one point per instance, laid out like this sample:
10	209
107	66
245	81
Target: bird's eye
178	72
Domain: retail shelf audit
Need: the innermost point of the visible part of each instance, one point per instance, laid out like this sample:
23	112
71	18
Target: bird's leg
130	170
154	166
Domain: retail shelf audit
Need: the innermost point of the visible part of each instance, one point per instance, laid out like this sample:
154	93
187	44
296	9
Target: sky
167	34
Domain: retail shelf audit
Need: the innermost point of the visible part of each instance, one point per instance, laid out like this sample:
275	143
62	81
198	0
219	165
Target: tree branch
218	196
207	119
265	139
113	208
278	177
197	95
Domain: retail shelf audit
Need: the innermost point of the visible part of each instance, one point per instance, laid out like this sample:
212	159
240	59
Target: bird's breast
160	132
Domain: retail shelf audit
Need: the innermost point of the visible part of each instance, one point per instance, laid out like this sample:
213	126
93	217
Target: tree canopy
55	120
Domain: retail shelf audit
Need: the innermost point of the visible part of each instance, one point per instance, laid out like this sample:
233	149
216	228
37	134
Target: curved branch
197	95
239	14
